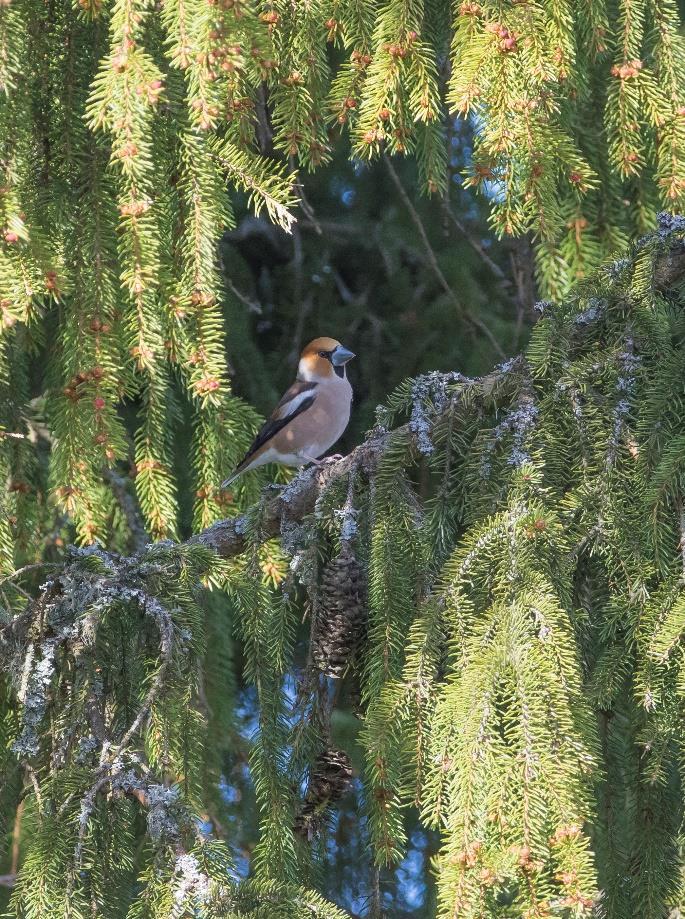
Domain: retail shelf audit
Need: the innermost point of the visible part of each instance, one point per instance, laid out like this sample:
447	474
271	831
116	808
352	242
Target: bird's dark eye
326	354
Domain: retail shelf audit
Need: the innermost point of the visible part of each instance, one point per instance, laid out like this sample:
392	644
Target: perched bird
312	414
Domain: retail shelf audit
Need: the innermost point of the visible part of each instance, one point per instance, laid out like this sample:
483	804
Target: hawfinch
312	414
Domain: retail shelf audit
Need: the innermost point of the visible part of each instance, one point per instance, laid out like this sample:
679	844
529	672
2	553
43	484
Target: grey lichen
430	395
240	526
86	747
293	535
629	364
594	310
668	224
34	691
522	421
191	886
304	565
300	483
383	418
348	523
518	424
165	814
507	366
616	268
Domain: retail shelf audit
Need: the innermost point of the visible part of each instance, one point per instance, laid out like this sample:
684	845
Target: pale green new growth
522	678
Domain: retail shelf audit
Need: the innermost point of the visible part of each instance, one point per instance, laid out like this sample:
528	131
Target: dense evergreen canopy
461	643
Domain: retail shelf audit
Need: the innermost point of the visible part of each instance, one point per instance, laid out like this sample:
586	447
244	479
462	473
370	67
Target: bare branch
475	244
252	305
466	314
670	268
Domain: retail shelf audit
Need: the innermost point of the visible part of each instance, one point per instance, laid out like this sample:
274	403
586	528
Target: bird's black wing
271	427
297	399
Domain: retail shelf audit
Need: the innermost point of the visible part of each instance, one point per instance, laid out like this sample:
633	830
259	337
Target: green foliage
131	128
531	711
520	686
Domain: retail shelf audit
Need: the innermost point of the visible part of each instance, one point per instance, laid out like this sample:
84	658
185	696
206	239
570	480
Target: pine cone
341	615
328	781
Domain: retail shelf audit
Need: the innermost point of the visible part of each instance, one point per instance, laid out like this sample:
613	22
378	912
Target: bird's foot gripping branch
499	580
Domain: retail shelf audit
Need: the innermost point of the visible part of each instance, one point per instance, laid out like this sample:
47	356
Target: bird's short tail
231	478
239	469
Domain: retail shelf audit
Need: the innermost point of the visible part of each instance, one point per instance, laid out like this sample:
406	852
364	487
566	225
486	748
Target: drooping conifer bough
521	674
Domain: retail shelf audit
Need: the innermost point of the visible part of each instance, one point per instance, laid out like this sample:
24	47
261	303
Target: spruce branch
228	538
471	673
267	186
475	243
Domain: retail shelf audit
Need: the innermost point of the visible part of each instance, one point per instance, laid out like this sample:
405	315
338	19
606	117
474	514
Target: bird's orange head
322	358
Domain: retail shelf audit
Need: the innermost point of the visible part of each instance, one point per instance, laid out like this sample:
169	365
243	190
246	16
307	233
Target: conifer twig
680	506
477	247
166	627
35	566
435	267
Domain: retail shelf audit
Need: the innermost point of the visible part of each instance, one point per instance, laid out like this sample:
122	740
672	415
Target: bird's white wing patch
286	409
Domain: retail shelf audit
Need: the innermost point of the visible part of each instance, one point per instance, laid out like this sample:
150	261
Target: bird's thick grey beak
341	356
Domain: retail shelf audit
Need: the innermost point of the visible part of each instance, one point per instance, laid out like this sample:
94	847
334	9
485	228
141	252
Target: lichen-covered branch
515	542
298	499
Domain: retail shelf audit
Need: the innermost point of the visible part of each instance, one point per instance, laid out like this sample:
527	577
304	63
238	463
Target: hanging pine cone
341	614
328	781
